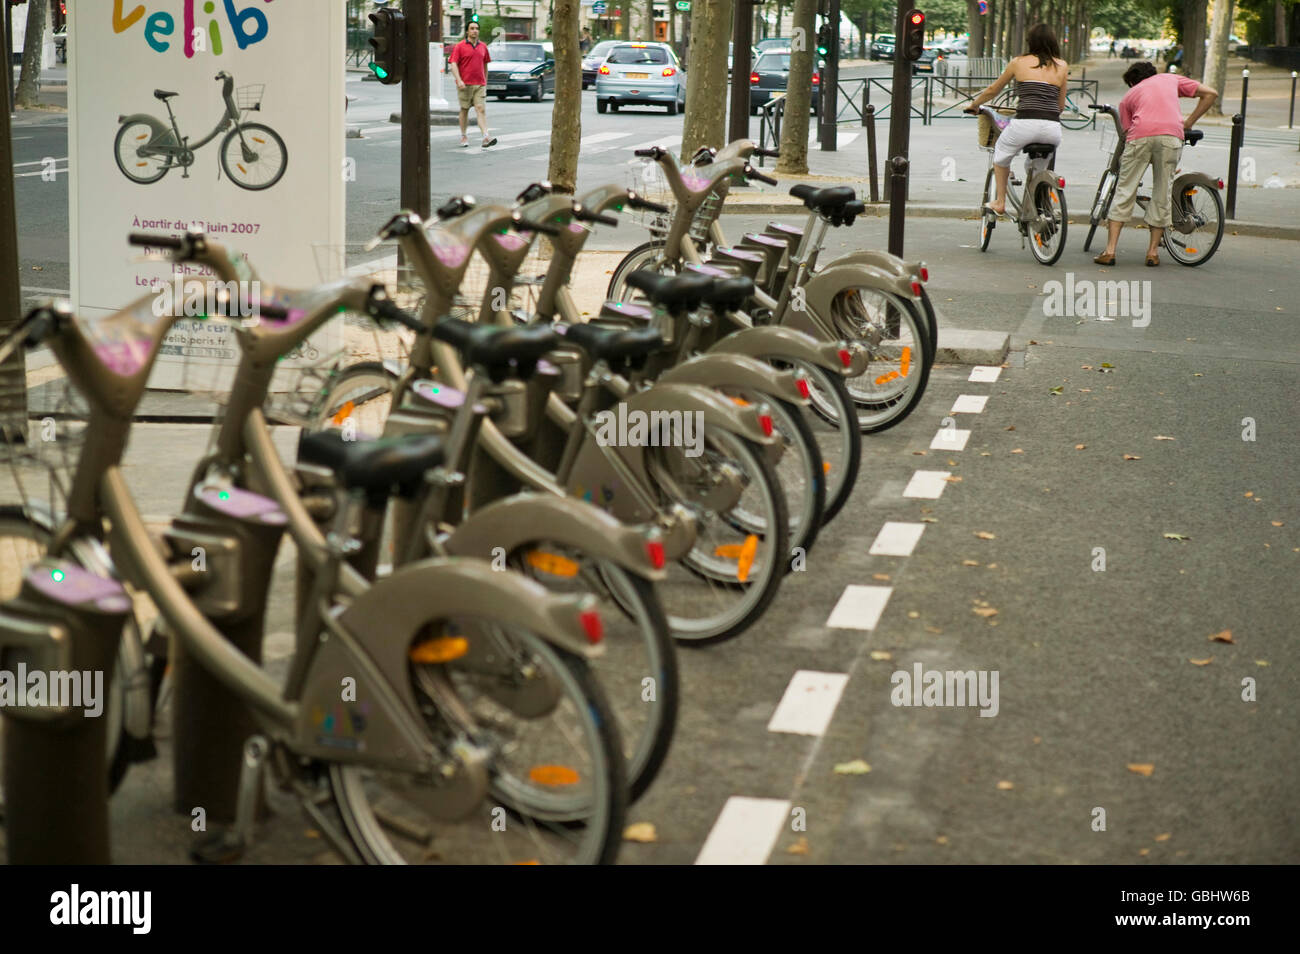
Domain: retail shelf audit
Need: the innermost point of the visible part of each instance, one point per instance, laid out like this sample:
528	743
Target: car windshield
772	42
519	52
885	38
773	62
627	55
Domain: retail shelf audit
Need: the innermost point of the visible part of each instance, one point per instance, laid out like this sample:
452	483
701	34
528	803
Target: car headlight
521	76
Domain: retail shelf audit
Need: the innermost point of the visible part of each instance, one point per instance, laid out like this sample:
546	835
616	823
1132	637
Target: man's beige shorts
1161	154
472	96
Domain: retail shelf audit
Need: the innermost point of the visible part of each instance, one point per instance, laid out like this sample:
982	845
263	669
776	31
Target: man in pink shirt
1154	128
469	59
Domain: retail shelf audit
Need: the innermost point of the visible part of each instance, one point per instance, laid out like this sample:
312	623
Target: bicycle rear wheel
144	169
1047	234
1203	207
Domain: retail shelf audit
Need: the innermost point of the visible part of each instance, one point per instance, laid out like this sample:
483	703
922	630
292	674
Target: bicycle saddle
615	345
164	95
729	294
1039	150
1193	136
392	465
502	352
674	292
823	200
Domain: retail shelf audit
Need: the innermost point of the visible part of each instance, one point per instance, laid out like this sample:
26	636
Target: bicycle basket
1108	137
988	131
647	180
250	97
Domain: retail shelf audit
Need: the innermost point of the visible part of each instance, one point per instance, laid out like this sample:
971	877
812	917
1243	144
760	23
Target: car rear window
773	62
602	48
638	54
518	52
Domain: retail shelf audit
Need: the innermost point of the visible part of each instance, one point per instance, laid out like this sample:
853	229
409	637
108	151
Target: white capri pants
1020	133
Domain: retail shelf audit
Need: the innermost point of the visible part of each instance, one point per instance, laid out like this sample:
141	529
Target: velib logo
651	429
198	298
197	33
65	690
1104	301
102	907
933	687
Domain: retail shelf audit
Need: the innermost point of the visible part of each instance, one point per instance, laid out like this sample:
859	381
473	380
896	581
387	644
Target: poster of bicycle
185	114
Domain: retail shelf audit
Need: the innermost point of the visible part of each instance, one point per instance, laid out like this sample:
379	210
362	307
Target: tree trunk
1019	28
33	43
1216	64
976	23
1193	38
798	97
566	117
706	77
626	20
1279	23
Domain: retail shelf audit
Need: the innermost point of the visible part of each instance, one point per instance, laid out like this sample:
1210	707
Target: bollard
897	202
870	114
1238	134
1290	121
866	99
1245	86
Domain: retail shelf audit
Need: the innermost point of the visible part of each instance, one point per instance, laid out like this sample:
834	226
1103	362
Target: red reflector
655	551
846	358
753	78
766	421
592	625
1060	181
1220	183
670	71
916	289
925	274
804	390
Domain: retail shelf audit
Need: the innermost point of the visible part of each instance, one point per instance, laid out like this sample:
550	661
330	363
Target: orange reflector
553	775
551	563
241	168
141	165
826	467
1190	192
530	861
145	136
886	378
255	139
654	549
344	412
905	362
1192	251
440	650
592	625
742	553
740	401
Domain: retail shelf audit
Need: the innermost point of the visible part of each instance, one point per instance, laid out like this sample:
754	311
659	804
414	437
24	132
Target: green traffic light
379	71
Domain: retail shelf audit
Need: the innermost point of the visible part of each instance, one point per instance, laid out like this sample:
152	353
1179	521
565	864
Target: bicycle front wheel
254	156
646	256
1100	206
557	789
1203	208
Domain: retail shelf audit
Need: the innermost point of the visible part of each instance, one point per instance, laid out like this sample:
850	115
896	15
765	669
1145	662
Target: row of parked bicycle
499	582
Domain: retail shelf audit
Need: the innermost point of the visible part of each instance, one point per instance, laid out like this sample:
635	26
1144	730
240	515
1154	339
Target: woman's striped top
1038	100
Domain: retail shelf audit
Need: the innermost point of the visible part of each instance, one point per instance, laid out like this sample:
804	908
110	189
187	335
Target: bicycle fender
777	341
1191	178
158	127
715	370
513	522
821	289
396	608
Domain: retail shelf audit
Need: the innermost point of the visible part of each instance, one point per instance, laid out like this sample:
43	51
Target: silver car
647	74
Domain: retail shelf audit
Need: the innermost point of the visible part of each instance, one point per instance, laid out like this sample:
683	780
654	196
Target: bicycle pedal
222	847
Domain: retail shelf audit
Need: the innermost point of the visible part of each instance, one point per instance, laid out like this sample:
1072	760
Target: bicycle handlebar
652	153
768	153
543	228
156	241
535	191
455	207
583	214
645	205
383	309
752	173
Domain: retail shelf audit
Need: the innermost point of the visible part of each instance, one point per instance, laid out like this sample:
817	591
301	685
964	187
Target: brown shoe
1153	260
1104	259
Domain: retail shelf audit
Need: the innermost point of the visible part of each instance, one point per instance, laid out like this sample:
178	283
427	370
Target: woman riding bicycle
1040	77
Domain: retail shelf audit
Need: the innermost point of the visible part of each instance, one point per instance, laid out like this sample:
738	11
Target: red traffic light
917	18
913	41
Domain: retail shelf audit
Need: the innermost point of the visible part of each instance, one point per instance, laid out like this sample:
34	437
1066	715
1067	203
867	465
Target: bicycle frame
167	141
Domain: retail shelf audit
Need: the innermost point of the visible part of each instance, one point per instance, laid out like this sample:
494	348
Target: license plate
637	75
496	89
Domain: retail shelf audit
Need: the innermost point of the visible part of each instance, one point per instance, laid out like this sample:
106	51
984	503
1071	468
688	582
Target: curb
881	210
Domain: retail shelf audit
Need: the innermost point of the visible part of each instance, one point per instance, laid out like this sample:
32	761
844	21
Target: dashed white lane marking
969	404
897	539
589	141
986	373
950	438
859	607
808	703
664	143
745	832
927	484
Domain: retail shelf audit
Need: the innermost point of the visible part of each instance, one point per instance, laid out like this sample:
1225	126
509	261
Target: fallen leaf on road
1080	446
1085	367
919	453
1223	637
1037	739
1176	536
1144	852
933	629
941	840
1132	457
1085	390
929	520
856	767
1057	390
880	576
880	655
1162	437
1277	523
1164	836
913	614
1249	493
800	847
1197	374
643	832
985	535
985	454
1261	662
1005	786
1201	662
992	566
970	562
1107	364
1018	450
1010	428
953	480
985	611
1141	768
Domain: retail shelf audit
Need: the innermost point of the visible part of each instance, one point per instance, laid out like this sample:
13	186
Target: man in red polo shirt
469	59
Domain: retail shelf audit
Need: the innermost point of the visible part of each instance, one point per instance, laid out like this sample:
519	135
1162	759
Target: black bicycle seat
164	95
674	292
392	465
1039	150
615	345
502	352
1193	136
729	294
823	200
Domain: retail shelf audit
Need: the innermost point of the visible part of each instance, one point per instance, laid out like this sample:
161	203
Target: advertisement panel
224	115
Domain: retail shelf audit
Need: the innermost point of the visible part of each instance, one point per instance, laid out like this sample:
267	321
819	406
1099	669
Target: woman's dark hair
1041	42
1138	72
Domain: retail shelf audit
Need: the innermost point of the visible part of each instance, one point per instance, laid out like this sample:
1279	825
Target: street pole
742	37
829	107
900	118
9	52
13	373
416	183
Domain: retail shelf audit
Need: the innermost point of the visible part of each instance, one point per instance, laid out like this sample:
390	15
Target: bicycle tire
988	221
1172	238
931	325
829	400
646	255
117	156
601	831
1073	118
272	136
1100	206
1049	200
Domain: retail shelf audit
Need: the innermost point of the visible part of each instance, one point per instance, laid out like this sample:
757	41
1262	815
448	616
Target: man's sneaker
489	142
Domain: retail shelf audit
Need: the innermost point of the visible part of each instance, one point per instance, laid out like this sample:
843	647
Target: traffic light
913	35
388	61
823	39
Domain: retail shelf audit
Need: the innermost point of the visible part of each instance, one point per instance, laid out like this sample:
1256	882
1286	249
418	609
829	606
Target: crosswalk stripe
897	539
985	373
969	404
745	832
859	607
809	702
927	484
950	439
